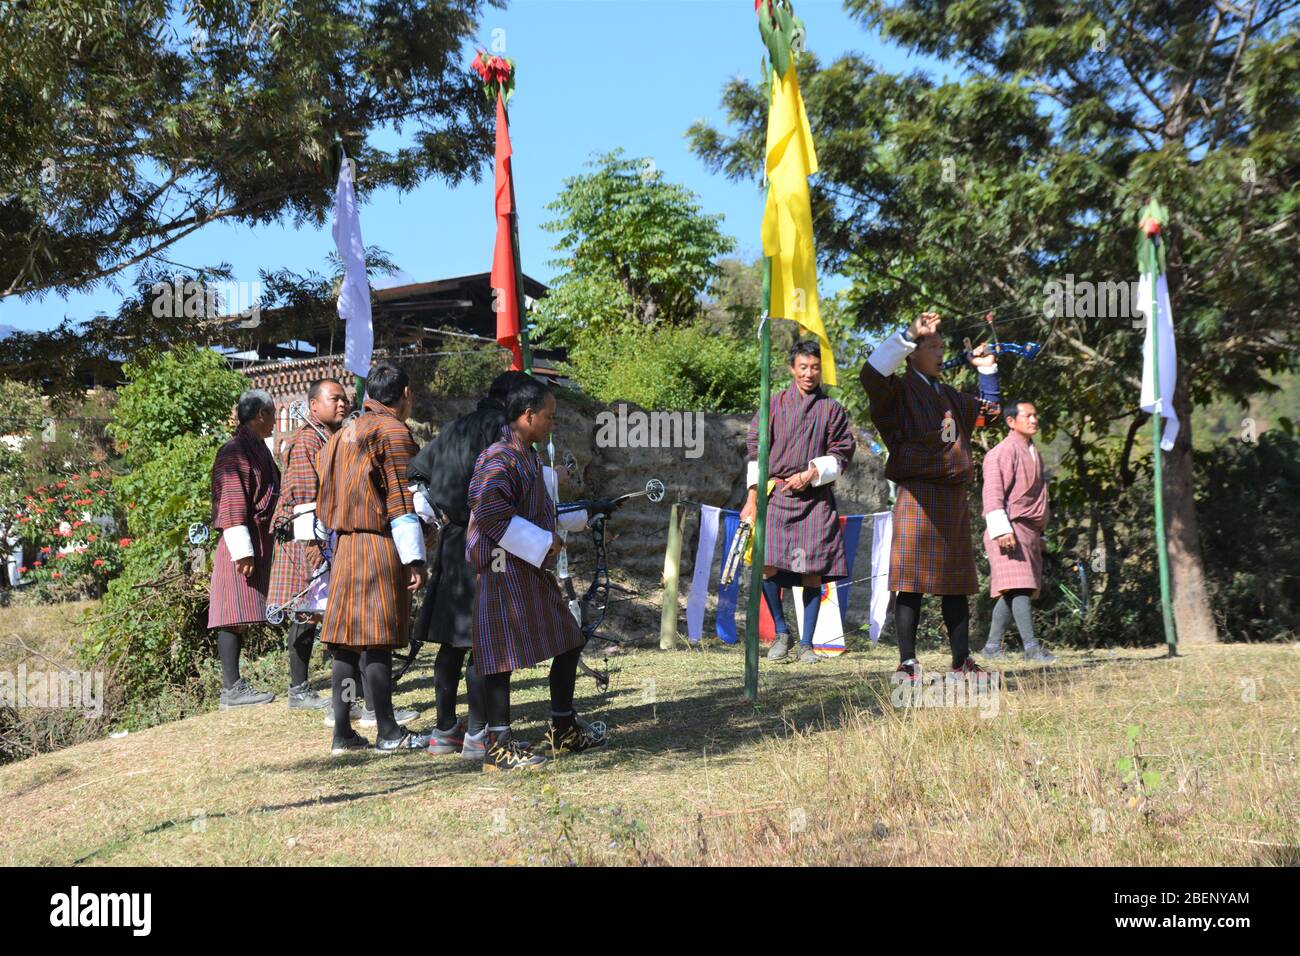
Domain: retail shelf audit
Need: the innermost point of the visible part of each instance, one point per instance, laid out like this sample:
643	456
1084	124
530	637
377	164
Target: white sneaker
354	716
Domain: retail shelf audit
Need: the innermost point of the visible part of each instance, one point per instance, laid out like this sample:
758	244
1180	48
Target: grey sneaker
349	744
780	649
1037	653
406	740
447	741
354	715
993	652
243	695
807	655
475	746
400	714
302	697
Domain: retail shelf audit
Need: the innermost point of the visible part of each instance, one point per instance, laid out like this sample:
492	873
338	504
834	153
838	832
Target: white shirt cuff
573	520
991	370
238	542
997	523
526	540
751	474
305	525
890	354
409	538
828	469
423	508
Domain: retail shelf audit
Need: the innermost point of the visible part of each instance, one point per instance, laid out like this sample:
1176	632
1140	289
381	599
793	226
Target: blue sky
594	75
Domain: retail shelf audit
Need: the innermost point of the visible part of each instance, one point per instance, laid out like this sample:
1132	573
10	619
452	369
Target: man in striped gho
811	445
927	426
245	487
300	557
520	616
378	558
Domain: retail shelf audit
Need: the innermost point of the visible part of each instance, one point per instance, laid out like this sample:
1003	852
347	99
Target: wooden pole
760	512
672	572
1162	550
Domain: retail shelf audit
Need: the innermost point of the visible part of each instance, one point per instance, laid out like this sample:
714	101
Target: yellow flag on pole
787	217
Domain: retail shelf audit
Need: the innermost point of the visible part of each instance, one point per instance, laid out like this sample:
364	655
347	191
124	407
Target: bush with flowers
74	530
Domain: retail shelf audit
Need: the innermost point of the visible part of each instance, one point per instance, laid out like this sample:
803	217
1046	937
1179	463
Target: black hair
526	394
1011	410
385	384
809	347
251	404
503	384
313	390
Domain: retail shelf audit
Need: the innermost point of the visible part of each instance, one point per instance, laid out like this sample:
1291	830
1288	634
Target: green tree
635	249
960	195
131	125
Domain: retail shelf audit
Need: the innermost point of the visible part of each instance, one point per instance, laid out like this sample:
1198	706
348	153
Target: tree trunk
1193	618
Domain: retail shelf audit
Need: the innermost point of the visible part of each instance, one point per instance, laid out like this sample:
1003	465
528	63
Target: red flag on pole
505	296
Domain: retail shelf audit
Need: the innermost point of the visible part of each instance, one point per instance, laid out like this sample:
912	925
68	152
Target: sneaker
354	714
780	649
807	655
969	669
404	741
447	741
571	739
475	746
506	753
302	697
400	714
994	652
241	694
1038	653
909	671
349	744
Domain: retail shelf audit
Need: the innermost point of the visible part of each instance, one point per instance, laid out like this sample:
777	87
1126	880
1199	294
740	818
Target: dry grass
49	631
825	771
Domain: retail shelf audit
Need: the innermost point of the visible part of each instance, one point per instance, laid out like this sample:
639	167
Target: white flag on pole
354	291
1159	329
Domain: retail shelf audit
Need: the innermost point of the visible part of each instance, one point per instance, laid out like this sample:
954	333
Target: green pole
361	389
1162	551
760	510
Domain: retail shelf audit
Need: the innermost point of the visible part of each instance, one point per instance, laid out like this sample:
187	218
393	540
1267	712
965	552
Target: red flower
99	562
61	485
23	569
94	474
56	574
90	537
24	519
37	564
76	477
40	489
45	550
49	501
131	504
124	543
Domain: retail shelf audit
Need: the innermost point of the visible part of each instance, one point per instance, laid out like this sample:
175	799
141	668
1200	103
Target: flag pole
1157	453
760	504
524	346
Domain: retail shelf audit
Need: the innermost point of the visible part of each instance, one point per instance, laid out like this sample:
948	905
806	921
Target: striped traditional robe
803	528
362	489
245	485
296	561
1014	485
520	616
932	551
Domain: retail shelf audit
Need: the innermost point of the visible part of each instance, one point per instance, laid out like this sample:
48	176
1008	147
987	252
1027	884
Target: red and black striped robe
362	490
296	561
245	485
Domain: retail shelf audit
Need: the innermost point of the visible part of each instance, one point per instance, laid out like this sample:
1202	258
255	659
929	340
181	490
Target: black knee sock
228	644
564	677
345	682
956	618
378	669
301	637
477	719
772	595
907	615
496	700
812	604
446	681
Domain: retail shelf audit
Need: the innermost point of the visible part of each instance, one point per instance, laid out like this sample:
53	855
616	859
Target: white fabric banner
700	577
1161	329
882	530
354	290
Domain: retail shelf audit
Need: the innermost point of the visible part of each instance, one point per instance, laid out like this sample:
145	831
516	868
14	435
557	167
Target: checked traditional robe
931	551
245	486
446	465
520	616
363	489
803	528
1015	502
297	560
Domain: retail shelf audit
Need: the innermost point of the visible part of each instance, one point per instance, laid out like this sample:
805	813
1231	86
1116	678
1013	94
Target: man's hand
416	578
927	323
751	507
245	567
557	544
1007	543
981	357
802	480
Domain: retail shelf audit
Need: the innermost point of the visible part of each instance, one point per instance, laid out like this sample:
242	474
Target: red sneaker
967	670
909	672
